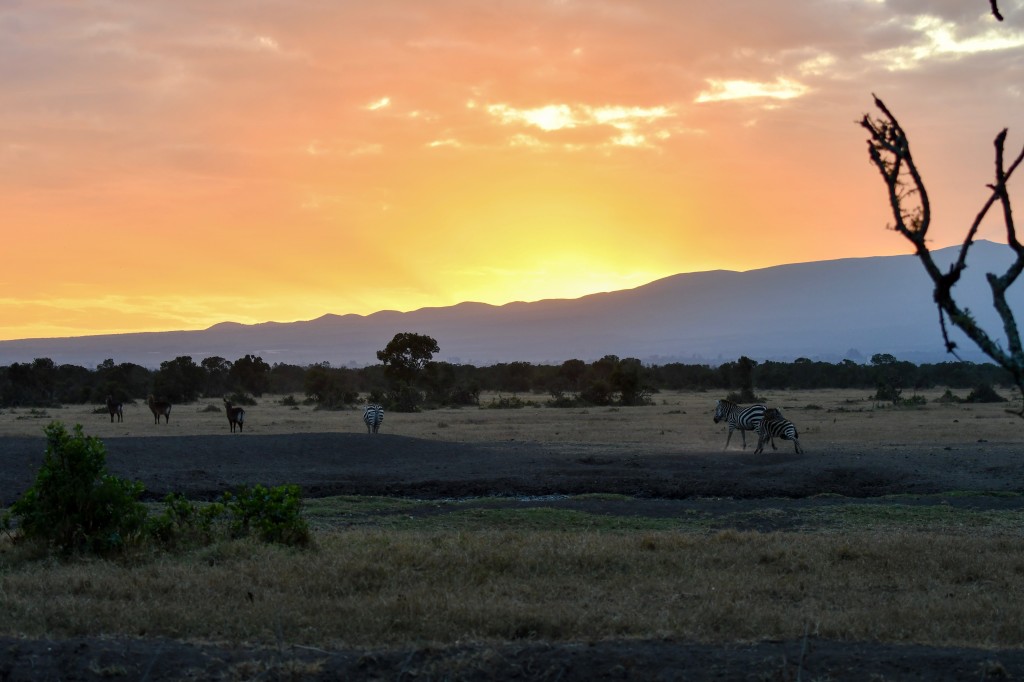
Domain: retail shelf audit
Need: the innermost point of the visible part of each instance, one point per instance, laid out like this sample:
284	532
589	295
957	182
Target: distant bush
984	394
511	403
887	392
948	398
743	397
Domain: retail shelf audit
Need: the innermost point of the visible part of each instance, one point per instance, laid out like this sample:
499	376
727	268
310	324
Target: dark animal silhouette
159	408
236	415
115	409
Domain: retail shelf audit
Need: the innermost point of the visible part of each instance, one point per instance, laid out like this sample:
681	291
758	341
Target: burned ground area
326	464
655	481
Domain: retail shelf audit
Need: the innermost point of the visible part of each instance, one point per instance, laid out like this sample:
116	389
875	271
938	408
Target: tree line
408	378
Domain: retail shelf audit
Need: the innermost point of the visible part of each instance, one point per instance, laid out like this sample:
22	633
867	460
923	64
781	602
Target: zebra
774	424
373	416
742	419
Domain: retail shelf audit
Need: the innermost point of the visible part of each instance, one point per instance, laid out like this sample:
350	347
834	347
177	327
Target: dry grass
376	588
943	583
680	419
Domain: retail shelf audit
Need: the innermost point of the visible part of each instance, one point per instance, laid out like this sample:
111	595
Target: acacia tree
404	359
889	151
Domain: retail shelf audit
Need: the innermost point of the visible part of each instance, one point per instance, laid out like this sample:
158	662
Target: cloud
723	90
627	126
937	38
377	105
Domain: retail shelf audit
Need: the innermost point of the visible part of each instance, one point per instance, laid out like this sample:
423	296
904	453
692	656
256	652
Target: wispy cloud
724	90
938	39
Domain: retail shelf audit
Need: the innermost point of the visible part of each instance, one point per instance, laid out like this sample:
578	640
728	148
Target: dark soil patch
325	464
659	481
157	660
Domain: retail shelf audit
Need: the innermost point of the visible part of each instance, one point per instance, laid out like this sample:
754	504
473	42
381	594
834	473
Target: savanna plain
544	543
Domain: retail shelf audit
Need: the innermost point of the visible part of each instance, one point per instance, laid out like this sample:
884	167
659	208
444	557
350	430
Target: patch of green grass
542	519
498	513
602	496
930	517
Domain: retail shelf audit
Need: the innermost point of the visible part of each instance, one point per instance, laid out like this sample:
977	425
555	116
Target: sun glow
170	169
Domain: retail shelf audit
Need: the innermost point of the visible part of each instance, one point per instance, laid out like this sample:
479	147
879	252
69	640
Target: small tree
404	359
74	504
250	374
179	380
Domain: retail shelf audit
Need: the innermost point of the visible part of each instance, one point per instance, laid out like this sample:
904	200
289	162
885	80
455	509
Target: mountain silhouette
826	310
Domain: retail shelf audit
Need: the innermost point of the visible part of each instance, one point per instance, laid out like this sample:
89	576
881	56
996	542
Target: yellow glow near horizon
168	167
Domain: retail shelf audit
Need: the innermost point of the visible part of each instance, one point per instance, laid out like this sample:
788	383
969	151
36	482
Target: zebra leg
796	446
728	438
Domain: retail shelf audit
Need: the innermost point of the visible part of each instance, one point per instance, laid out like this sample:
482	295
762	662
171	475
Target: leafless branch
889	151
995	10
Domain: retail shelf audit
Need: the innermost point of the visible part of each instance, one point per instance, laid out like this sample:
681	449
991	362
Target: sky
172	164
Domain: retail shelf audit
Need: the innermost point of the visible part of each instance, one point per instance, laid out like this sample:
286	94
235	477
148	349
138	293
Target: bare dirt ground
667	458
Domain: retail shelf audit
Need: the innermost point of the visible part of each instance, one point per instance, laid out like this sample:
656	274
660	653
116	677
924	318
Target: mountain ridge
827	310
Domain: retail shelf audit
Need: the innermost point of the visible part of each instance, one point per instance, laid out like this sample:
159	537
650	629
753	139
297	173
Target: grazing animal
159	408
775	425
373	415
115	408
739	418
236	415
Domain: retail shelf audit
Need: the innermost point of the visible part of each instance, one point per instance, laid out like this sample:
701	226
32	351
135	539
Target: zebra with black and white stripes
373	416
739	418
773	426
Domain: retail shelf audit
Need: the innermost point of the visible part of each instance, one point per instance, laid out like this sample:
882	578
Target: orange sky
174	164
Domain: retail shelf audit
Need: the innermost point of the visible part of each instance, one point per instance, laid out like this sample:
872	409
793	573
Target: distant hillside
828	310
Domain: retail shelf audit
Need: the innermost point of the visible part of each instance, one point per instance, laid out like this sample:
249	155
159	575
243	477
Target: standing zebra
774	424
739	418
373	415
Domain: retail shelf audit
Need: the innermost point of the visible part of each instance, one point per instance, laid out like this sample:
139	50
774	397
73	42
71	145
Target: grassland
418	576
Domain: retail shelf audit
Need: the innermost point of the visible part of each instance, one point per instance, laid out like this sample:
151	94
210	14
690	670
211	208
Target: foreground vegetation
952	580
389	572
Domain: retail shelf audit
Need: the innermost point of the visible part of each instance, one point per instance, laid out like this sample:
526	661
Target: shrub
74	504
887	392
948	398
239	398
743	397
273	513
984	394
502	403
183	524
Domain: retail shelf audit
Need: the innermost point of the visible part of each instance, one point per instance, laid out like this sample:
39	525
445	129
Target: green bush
74	504
183	524
984	394
274	514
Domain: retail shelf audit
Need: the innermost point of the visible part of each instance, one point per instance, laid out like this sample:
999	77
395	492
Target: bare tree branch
889	151
995	10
